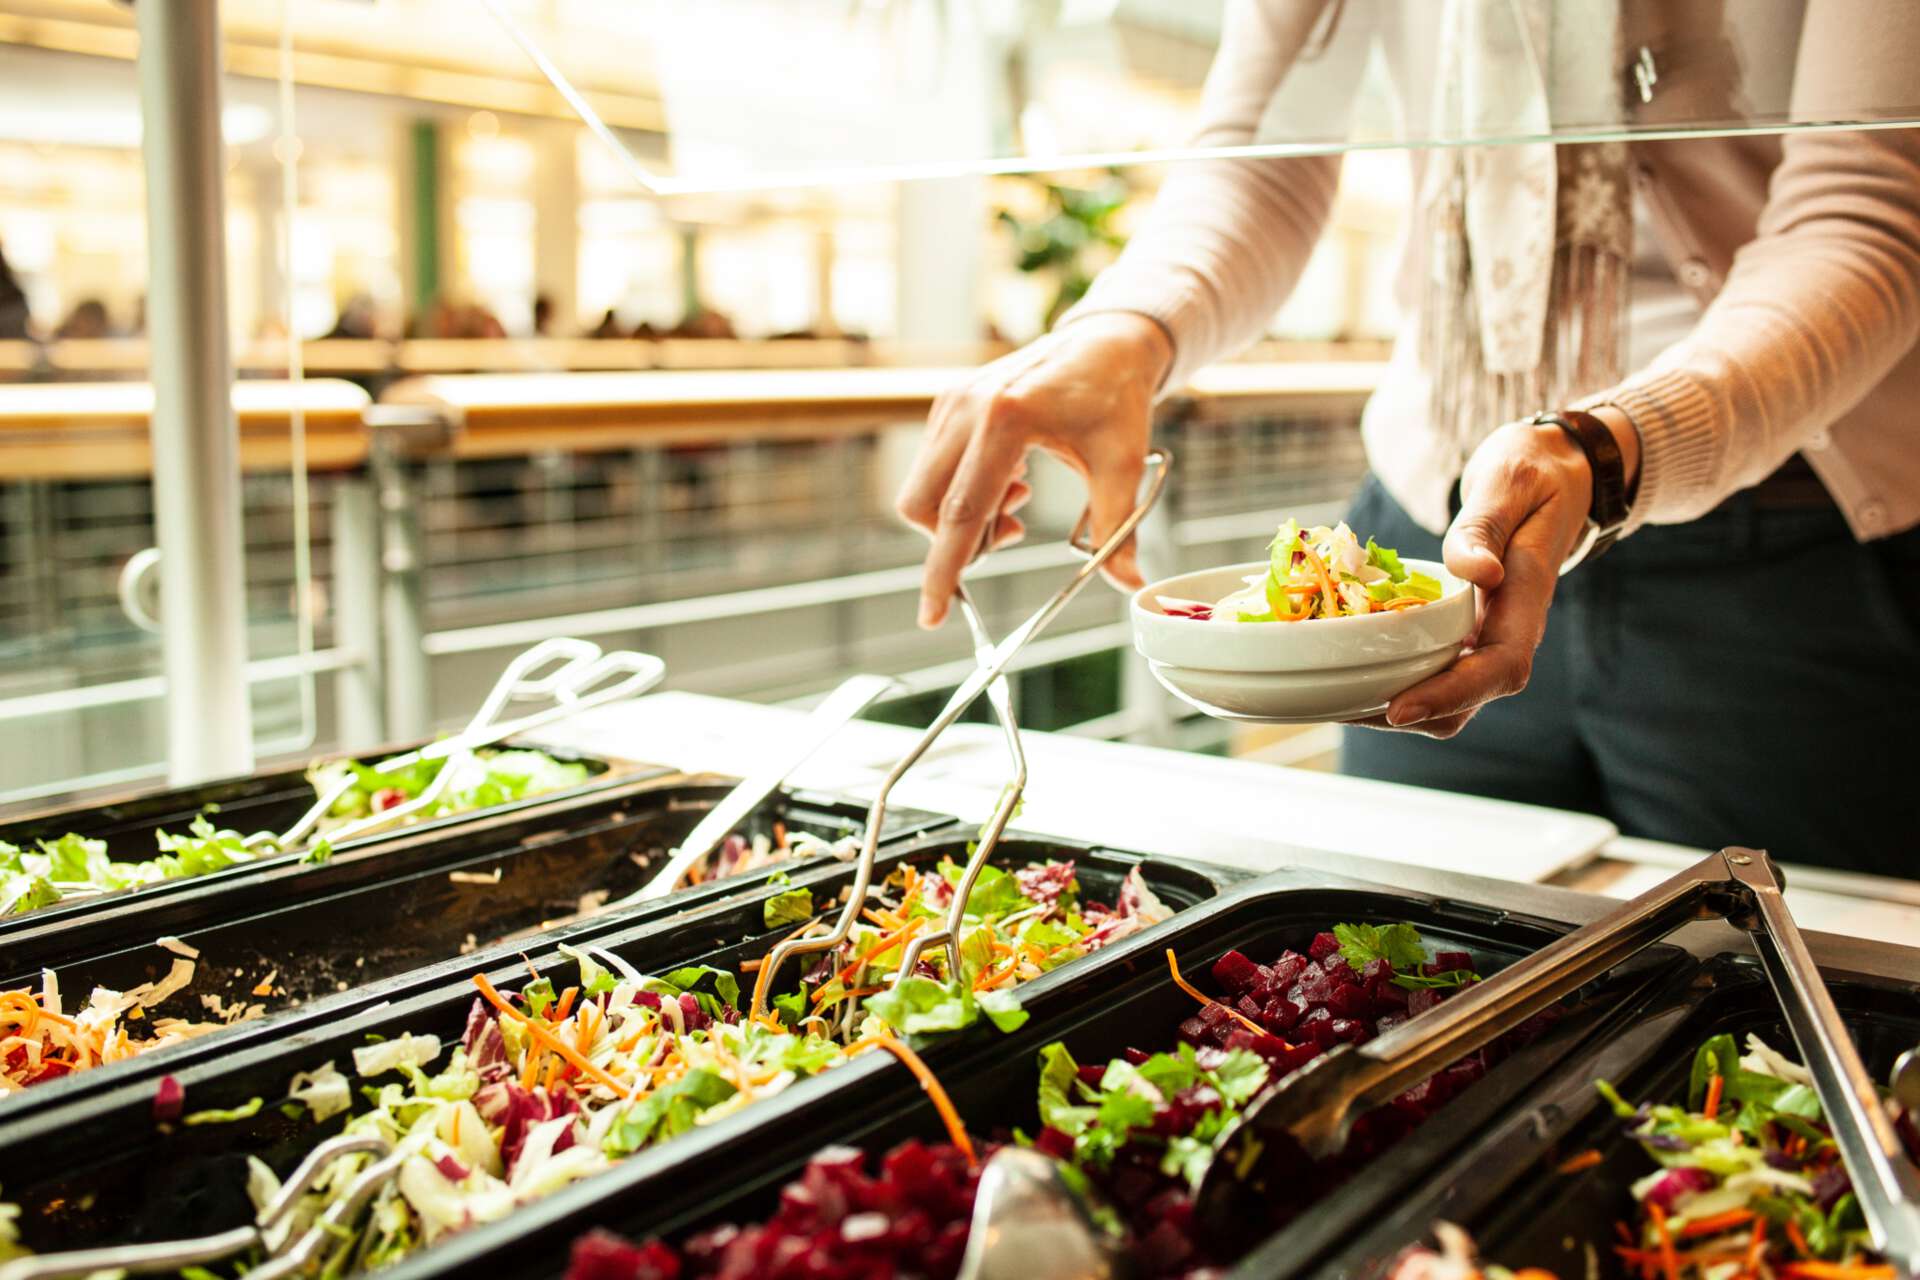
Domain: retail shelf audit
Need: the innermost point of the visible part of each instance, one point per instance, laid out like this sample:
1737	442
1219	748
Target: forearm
1817	309
1222	248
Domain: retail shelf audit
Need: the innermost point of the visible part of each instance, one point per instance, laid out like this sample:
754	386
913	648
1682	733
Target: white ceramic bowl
1300	672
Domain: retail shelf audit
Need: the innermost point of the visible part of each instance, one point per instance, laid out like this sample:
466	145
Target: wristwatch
1607	514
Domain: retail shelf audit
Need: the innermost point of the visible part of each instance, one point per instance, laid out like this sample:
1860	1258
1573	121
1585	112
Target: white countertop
1237	812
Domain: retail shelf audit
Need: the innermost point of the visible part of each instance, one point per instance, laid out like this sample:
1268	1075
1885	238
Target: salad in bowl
1322	572
1376	624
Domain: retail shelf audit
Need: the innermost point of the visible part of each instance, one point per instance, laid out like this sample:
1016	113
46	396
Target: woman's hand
1523	509
1084	393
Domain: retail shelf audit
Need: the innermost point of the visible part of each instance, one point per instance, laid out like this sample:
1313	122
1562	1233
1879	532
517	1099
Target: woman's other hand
1084	393
1524	499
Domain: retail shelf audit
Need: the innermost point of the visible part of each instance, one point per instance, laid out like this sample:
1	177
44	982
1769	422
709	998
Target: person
16	319
88	319
1744	667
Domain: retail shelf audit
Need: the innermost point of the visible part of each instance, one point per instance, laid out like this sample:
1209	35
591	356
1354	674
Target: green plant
1072	239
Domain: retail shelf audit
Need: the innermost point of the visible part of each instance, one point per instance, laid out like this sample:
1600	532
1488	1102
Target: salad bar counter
459	1050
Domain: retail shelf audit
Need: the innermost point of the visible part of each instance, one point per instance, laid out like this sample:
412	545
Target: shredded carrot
1798	1238
1585	1160
547	1038
1668	1263
779	835
531	1072
1401	602
1714	1086
885	919
530	969
1838	1271
584	1036
928	1082
1206	999
561	1010
456	1126
1751	1263
886	942
1329	595
1715	1224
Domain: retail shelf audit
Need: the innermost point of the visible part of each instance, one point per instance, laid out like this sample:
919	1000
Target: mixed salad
557	1081
1322	572
1140	1128
74	866
1749	1179
1748	1185
41	1040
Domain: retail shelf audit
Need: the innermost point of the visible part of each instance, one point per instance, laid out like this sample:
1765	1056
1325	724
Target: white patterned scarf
1528	246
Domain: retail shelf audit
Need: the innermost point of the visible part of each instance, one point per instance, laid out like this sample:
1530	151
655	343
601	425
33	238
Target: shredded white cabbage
375	1059
325	1092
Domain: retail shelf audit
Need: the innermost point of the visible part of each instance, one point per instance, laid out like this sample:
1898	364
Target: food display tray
363	920
101	1170
271	801
1509	1194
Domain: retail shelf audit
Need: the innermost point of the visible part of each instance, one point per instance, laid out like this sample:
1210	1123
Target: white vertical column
556	222
942	227
196	452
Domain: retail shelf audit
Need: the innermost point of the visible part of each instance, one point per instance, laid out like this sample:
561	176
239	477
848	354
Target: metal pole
196	453
359	693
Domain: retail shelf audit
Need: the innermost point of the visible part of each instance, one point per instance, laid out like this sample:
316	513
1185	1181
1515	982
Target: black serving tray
1509	1195
270	801
1118	998
91	1168
363	921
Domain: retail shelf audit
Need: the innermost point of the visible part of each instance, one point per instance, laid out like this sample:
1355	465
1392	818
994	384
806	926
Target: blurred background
505	390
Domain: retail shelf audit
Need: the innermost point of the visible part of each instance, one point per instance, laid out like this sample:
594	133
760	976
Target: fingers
1476	542
980	484
948	430
1501	661
1113	489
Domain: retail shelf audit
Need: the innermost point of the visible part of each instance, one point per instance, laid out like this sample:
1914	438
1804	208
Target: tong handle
1418	1048
1884	1180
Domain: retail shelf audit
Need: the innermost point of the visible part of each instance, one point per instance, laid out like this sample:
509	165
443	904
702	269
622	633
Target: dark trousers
1752	678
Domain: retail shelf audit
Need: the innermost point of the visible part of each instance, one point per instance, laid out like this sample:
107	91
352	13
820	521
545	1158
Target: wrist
1142	342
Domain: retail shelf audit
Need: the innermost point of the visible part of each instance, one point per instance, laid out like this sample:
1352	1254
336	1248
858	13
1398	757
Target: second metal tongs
1313	1109
988	676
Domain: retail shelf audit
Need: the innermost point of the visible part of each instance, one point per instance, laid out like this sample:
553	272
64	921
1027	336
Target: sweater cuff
1679	447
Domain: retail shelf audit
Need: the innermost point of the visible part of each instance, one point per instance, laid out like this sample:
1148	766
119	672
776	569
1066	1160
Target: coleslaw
1322	572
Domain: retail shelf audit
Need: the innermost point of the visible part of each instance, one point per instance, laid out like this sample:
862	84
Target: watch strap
1609	509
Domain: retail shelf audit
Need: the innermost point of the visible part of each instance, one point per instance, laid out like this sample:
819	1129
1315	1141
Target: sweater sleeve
1820	305
1227	238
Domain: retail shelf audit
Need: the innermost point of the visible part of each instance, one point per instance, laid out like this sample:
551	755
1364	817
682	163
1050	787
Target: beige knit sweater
1803	248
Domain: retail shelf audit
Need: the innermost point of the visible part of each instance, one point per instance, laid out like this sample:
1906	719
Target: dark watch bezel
1608	511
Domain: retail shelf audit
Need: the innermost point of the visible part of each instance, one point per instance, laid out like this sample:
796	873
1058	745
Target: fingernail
1410	714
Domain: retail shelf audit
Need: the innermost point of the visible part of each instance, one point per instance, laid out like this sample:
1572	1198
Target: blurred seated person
88	319
543	315
356	320
609	327
705	323
16	320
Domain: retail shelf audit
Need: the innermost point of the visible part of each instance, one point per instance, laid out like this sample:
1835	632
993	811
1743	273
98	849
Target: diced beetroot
1135	1056
1280	1014
601	1255
1350	1002
1421	1000
1268	1047
1235	972
1324	944
1315	986
1054	1143
1317	1026
1288	968
1248	1006
1092	1072
1213	1014
1446	961
1387	1022
1336	967
1193	1031
1291	1059
1376	975
1392	996
1351	1031
388	798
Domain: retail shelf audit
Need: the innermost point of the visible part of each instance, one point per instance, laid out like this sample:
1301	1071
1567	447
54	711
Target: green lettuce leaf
1387	560
795	906
666	1112
916	1005
1003	1009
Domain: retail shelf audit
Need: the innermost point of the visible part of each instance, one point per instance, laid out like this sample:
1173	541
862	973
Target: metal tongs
988	676
285	1253
1313	1109
580	677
